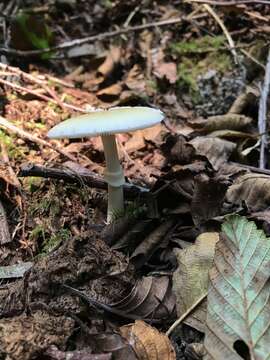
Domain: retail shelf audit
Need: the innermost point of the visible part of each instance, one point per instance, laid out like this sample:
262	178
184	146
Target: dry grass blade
238	307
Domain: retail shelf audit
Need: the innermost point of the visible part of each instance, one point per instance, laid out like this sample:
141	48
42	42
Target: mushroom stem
114	177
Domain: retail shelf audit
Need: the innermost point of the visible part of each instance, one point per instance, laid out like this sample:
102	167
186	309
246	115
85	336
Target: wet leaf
190	280
148	342
238	307
150	298
253	189
216	150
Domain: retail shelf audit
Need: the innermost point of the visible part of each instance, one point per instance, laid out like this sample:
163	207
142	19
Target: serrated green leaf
238	309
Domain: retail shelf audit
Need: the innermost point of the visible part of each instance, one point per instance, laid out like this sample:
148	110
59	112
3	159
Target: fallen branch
263	113
80	175
88	39
4	231
33	138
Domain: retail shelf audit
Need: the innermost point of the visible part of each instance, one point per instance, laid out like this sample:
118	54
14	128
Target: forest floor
70	282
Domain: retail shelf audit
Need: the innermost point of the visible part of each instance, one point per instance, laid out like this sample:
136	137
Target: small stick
224	29
80	175
4	231
88	39
37	94
33	138
178	321
263	113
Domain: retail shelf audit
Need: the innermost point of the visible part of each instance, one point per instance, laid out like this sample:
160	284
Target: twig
263	112
229	3
178	321
224	29
37	94
81	175
33	138
77	42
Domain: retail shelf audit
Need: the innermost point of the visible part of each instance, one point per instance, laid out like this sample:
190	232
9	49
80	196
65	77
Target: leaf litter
87	290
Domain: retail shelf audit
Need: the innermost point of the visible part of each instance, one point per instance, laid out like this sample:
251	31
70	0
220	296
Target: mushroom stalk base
114	177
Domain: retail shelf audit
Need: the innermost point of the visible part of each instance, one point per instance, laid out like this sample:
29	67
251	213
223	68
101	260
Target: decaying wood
4	231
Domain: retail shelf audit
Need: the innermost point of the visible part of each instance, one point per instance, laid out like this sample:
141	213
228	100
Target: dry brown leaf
208	197
167	70
216	150
190	280
135	80
223	122
112	60
253	189
150	298
109	92
148	342
136	142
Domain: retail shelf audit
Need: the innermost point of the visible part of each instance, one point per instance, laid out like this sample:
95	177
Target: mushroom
107	123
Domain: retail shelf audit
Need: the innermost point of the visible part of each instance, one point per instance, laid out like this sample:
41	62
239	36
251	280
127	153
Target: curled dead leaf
223	122
111	61
216	150
253	188
150	298
148	342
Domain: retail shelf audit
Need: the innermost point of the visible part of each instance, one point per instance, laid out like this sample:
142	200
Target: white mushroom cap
107	122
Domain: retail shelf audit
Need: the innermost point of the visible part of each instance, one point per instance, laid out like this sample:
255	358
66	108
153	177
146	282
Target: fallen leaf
190	280
253	189
110	93
223	122
167	70
148	342
112	60
216	150
208	197
150	298
238	307
136	142
135	80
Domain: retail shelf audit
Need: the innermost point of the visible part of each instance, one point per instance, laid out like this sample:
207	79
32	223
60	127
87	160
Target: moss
14	151
198	56
198	46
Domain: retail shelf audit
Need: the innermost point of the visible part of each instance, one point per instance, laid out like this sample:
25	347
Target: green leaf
238	309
